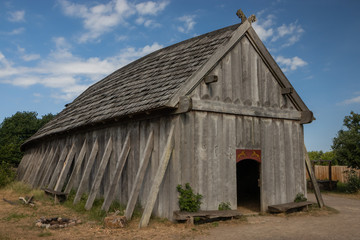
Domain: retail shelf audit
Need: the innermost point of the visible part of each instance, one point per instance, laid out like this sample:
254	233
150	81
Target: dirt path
344	225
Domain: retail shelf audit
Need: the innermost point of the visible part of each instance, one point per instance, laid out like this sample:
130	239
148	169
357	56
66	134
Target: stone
115	221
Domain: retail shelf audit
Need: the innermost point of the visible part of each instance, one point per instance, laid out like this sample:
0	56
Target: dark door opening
247	179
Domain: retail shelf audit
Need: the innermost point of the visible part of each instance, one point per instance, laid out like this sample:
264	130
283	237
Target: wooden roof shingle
143	85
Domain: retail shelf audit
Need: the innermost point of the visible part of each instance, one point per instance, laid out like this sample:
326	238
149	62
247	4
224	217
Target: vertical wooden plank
110	194
139	177
281	171
227	80
23	164
50	167
69	159
290	158
85	177
76	170
163	203
33	164
211	161
39	165
267	176
58	168
99	175
236	70
246	78
44	166
201	155
158	179
174	170
229	158
254	76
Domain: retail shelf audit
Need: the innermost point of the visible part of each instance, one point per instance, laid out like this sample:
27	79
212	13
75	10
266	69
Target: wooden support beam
77	167
286	91
40	163
99	175
48	169
43	168
234	109
210	79
306	117
85	177
139	176
65	170
313	179
158	179
58	168
109	197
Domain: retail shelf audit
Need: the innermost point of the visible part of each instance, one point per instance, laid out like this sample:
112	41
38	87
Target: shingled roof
143	85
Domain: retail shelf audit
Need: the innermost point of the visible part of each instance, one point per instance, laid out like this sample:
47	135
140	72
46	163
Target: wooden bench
205	215
289	207
59	196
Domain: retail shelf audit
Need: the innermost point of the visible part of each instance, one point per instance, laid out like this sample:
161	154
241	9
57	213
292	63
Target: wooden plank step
289	207
61	196
211	214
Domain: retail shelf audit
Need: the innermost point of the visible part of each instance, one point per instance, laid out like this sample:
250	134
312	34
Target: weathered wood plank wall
205	142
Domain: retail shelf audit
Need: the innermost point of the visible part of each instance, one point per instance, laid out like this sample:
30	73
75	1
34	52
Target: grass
15	217
45	234
25	190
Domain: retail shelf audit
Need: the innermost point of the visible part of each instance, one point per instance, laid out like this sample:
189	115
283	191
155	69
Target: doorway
248	189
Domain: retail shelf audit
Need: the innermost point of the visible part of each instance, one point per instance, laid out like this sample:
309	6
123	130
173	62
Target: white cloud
103	18
27	57
286	34
16	31
263	27
150	7
17	16
290	64
189	23
292	32
353	100
68	74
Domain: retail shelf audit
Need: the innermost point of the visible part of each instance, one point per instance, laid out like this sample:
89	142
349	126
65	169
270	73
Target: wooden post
85	176
77	167
313	179
58	168
139	177
120	166
330	177
158	179
99	175
70	157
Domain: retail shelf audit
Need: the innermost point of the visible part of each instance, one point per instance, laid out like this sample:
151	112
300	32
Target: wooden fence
337	172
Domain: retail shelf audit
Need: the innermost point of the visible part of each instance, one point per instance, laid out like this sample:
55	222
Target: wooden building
215	111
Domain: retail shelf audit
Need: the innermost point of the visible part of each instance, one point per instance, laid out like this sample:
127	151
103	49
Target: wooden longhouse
215	111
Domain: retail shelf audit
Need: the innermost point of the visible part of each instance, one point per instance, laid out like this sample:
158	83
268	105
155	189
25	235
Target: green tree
14	131
320	155
346	145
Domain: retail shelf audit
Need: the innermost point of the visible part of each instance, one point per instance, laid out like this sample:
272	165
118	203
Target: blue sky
51	51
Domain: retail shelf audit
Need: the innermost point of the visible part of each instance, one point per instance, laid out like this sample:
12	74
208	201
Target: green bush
300	198
224	206
188	201
7	174
352	182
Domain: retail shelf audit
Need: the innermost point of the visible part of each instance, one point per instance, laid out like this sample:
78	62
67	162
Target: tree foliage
320	155
346	145
14	131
